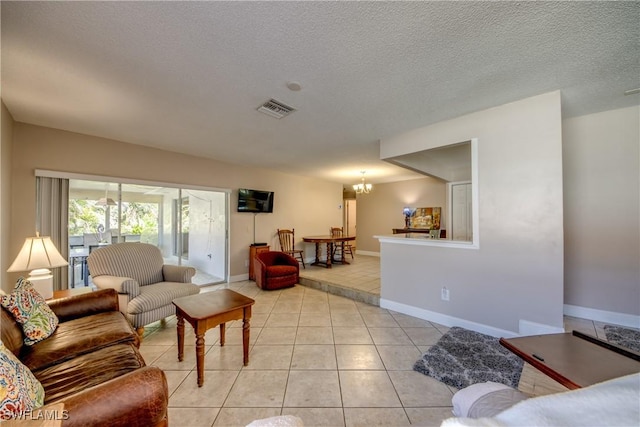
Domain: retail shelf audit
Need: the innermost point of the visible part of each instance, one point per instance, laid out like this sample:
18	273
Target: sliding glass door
188	225
204	233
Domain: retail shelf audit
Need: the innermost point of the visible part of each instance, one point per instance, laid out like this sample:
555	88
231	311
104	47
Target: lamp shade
37	252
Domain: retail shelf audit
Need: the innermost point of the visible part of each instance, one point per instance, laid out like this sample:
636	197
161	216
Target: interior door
461	213
350	217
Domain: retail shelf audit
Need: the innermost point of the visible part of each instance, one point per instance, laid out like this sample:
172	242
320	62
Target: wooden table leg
245	336
222	333
342	259
317	261
200	358
180	338
329	253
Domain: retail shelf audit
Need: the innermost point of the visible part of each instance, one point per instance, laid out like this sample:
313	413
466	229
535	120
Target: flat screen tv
255	201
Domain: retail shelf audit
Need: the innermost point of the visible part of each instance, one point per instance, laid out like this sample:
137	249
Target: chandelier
362	188
106	200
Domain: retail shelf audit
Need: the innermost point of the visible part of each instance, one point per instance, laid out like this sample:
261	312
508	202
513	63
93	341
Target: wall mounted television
255	201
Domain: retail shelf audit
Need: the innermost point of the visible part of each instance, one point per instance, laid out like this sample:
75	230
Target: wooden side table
71	292
208	310
253	251
575	360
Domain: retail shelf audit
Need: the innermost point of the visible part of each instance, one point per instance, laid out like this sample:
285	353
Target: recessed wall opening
455	164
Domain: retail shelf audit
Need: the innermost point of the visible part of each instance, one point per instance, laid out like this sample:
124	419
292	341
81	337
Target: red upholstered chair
276	270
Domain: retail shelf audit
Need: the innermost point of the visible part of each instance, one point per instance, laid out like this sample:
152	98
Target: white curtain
52	219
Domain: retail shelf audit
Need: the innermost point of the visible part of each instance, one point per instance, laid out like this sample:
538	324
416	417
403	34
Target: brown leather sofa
276	270
91	363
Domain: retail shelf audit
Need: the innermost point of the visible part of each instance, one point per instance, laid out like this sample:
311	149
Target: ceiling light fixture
294	86
632	91
362	188
106	200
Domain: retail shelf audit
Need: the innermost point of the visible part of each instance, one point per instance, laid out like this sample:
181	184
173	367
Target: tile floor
362	273
326	358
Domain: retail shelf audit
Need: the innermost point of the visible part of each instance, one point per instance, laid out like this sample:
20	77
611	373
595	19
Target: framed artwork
427	218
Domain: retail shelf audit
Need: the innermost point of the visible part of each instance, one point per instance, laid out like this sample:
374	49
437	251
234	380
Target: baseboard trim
368	253
239	278
603	316
527	327
445	320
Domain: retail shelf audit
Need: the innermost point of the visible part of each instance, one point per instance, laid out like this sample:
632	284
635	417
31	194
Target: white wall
602	217
514	281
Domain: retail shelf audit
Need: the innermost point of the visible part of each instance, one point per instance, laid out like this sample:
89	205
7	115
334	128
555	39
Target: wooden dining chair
287	245
339	232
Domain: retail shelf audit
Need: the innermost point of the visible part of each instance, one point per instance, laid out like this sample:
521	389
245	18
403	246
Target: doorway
350	218
461	211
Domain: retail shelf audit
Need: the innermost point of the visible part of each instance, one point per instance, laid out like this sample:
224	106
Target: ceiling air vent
276	109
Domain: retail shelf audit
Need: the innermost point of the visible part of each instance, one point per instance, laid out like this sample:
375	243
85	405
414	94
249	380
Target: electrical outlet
444	294
246	263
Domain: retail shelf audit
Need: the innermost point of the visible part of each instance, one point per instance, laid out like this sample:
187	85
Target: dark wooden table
71	292
330	241
440	234
575	360
208	310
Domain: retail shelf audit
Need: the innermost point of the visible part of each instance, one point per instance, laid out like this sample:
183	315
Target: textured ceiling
188	76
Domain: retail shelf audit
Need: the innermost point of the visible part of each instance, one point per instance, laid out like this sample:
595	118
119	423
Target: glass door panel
188	226
142	212
204	226
93	222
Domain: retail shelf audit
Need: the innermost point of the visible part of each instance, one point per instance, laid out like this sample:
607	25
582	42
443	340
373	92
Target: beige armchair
146	286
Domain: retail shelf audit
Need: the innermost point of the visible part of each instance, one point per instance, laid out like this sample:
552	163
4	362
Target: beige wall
381	210
6	255
309	205
513	282
602	216
600	160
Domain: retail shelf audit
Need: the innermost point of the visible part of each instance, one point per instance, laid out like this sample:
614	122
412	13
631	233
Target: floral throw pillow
20	391
30	309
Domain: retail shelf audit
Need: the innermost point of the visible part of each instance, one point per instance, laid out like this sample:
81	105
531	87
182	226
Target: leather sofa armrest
178	273
85	304
139	398
123	285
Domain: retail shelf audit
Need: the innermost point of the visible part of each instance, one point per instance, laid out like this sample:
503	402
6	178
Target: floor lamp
38	255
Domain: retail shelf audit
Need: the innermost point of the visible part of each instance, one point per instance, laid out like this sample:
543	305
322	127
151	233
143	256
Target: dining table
330	242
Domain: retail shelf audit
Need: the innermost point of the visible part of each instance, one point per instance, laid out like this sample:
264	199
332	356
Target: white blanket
611	403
